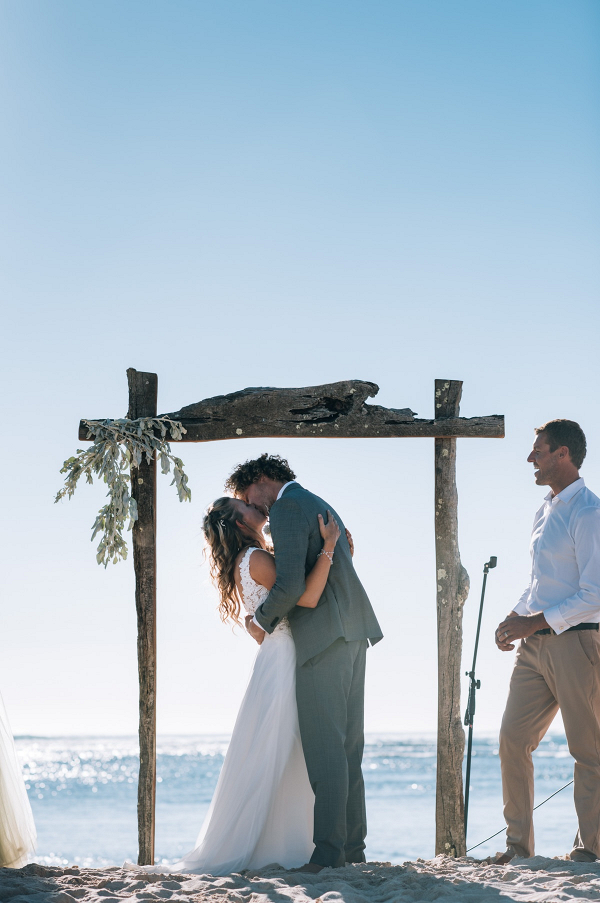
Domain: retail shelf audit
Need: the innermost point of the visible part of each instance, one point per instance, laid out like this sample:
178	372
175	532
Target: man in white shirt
558	659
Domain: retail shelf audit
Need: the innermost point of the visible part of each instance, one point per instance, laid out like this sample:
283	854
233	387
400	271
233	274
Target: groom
331	644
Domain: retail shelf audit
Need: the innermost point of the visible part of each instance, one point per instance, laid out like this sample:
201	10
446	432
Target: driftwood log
143	394
452	591
337	410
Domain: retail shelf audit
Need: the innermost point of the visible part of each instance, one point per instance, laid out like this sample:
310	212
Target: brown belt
548	630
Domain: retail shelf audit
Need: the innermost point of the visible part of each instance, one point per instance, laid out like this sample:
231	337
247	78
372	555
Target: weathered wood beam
335	411
143	394
463	427
452	590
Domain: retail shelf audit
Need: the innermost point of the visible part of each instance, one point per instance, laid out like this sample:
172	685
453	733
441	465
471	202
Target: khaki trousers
553	672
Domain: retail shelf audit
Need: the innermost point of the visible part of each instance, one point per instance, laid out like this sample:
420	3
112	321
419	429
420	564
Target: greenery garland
118	446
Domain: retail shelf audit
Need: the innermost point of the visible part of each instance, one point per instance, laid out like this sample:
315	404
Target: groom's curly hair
272	466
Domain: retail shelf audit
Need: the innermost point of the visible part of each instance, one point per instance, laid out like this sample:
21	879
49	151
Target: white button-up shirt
283	488
565	559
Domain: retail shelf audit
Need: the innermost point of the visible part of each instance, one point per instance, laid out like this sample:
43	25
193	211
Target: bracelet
327	555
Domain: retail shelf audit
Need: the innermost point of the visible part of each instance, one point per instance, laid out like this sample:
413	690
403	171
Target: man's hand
516	627
256	632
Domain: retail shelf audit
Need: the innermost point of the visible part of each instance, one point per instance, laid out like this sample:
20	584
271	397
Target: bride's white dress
262	808
17	828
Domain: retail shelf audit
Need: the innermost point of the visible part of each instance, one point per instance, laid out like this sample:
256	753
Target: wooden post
452	590
143	395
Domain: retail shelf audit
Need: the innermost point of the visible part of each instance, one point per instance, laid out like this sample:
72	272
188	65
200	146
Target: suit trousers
330	694
553	672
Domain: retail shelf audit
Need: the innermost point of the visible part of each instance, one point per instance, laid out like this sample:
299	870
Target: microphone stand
474	685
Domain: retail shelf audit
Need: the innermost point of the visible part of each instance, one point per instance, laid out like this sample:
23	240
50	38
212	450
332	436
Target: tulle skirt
263	807
17	828
262	810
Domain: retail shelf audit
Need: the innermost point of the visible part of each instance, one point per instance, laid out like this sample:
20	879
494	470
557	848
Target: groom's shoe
582	856
311	868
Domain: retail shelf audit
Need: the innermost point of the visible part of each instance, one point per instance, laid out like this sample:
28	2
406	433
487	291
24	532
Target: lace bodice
253	593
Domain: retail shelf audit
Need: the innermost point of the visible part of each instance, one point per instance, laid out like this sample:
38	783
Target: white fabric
283	488
565	559
262	808
17	828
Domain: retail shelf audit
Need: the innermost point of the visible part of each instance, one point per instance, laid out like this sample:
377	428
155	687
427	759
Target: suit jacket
343	610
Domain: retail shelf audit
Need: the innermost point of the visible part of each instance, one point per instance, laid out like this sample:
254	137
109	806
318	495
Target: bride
262	808
17	829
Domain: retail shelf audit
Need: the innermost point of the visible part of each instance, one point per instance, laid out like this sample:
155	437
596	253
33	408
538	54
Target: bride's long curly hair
225	541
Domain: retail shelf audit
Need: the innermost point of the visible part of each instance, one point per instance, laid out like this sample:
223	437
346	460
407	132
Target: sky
282	194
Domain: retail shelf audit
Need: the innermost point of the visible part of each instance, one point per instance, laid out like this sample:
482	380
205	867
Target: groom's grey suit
331	642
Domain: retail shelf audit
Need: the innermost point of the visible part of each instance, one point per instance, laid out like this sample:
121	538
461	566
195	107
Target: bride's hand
256	632
330	532
350	541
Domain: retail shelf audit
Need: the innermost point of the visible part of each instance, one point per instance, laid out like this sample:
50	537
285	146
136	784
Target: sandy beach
538	879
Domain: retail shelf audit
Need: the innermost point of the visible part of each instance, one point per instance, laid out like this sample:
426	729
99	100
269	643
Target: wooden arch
337	410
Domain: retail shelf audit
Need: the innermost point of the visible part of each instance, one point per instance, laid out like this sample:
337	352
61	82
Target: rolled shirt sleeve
583	605
521	606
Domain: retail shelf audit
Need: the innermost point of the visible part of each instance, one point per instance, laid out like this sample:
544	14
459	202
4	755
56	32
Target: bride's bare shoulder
262	568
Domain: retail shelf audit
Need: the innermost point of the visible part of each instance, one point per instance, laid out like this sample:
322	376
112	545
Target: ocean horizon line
373	734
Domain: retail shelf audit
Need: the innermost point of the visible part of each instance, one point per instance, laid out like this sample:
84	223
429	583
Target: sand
439	879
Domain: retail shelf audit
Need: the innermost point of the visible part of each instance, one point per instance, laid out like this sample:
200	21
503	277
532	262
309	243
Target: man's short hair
272	466
565	432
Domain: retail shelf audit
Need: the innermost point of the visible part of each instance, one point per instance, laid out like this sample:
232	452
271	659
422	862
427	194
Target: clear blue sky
238	194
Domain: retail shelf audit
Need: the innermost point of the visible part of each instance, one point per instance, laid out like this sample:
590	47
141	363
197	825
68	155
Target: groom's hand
256	632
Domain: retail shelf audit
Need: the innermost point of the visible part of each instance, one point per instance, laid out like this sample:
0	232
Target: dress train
262	810
17	828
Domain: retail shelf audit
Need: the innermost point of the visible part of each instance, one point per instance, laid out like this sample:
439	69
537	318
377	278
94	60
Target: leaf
117	446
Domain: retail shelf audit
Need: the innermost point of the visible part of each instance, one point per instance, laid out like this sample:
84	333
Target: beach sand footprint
536	880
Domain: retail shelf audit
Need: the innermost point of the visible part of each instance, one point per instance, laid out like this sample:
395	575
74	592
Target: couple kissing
291	789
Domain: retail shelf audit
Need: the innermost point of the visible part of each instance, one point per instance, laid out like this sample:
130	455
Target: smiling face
548	465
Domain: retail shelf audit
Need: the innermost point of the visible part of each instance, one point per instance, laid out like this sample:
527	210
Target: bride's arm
316	580
262	565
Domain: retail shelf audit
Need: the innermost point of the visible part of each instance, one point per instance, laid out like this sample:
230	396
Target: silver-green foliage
118	445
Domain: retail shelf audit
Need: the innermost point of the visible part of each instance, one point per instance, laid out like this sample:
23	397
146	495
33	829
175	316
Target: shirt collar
568	492
283	488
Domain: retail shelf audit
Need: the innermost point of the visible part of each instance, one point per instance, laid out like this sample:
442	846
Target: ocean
83	792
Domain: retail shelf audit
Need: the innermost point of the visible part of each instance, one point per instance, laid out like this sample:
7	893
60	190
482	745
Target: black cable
491	837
